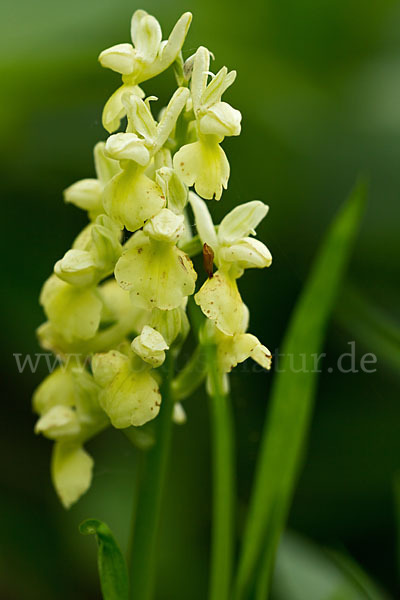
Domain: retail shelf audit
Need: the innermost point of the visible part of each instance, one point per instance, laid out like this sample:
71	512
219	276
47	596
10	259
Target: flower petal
131	198
59	422
170	50
159	275
85	194
166	226
200	73
77	267
237	348
140	117
119	58
150	346
217	87
262	356
56	389
146	36
246	254
221	119
129	398
205	165
73	311
71	470
106	167
204	224
241	221
170	115
173	188
220	301
114	109
127	146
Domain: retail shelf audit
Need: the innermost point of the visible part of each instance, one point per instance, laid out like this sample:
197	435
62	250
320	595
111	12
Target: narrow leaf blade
291	403
112	567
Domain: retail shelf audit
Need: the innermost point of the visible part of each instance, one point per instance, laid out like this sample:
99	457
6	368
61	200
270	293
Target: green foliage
292	401
303	570
112	567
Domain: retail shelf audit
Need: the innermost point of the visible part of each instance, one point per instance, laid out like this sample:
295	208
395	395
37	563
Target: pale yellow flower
203	163
153	269
131	197
234	250
146	58
129	396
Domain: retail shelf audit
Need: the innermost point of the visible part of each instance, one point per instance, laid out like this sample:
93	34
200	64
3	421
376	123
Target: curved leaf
112	567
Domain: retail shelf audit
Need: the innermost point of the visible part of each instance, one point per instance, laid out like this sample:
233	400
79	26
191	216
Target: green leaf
303	570
291	403
371	325
112	568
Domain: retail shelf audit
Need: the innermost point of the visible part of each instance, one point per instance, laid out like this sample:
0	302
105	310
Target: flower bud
175	191
170	323
107	248
179	415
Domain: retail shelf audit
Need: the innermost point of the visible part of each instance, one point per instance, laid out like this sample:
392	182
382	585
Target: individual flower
93	255
146	58
234	250
130	394
88	193
153	269
69	414
118	319
131	197
74	312
203	163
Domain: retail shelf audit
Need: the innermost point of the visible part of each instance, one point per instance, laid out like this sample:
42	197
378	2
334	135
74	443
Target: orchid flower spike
116	302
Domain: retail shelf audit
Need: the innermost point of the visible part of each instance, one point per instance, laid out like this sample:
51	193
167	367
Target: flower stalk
143	557
223	478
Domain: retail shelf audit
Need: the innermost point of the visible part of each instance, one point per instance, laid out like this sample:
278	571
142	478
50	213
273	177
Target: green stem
148	510
191	376
223	481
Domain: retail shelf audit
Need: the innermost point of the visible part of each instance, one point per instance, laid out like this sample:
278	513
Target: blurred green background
319	89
